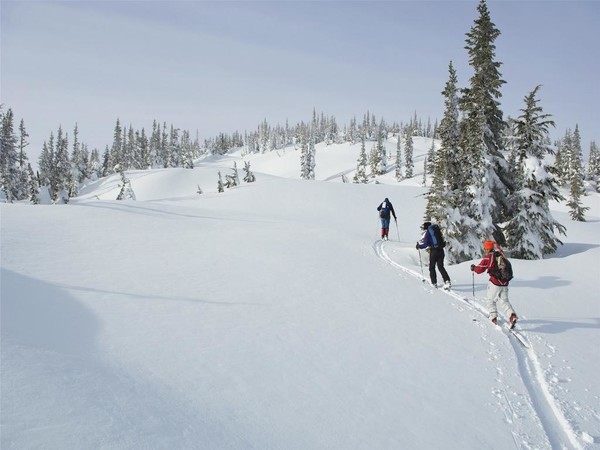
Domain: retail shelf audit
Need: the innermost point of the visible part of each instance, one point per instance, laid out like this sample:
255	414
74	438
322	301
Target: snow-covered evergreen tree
220	186
126	192
62	179
248	175
374	161
431	158
483	118
381	150
33	187
46	162
361	165
9	157
530	233
23	163
233	179
307	156
408	152
116	151
450	197
577	190
399	176
593	166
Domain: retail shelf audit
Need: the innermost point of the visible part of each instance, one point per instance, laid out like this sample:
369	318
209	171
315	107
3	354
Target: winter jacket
486	264
389	210
428	239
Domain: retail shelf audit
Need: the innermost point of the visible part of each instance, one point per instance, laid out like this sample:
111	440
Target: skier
385	209
432	238
497	291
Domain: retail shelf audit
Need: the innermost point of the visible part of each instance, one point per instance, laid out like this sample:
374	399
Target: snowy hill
271	316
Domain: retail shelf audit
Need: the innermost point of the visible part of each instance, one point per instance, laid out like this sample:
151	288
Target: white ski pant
498	295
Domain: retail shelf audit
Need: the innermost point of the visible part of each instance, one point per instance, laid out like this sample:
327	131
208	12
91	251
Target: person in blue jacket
432	238
386	209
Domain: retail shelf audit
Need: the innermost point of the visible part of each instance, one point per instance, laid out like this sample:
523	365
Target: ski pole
421	263
473	273
397	231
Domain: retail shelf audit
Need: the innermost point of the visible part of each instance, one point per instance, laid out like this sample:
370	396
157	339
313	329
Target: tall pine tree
530	232
482	132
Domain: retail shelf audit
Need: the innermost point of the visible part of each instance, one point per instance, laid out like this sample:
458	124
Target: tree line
490	177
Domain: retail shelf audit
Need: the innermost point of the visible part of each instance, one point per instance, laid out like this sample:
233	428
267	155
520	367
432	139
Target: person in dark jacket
433	240
386	210
497	291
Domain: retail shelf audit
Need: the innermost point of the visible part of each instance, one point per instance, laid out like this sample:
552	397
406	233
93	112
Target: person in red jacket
497	291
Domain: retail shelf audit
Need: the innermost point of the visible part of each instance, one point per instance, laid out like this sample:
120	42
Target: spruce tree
248	175
447	197
577	190
593	167
381	150
62	179
33	187
530	232
116	152
408	152
23	163
126	192
361	165
399	176
483	117
374	161
46	162
9	169
220	186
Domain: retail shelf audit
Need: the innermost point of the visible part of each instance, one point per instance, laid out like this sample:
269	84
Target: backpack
501	268
438	238
384	212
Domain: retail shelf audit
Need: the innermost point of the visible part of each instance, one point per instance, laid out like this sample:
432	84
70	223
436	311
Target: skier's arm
482	266
424	241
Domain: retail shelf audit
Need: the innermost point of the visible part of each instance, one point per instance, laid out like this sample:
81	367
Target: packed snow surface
271	316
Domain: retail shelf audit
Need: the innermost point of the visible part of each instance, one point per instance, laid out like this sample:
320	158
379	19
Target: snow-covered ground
271	316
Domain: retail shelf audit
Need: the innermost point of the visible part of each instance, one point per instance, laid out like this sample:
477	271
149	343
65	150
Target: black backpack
501	268
384	213
438	237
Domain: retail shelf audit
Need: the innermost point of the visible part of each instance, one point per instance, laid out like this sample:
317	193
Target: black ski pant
436	258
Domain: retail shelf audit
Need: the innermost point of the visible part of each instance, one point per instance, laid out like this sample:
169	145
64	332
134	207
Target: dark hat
425	225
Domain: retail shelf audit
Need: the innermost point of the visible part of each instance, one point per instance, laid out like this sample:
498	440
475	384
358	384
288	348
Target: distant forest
489	176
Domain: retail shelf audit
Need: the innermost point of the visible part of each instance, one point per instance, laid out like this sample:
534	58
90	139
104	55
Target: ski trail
557	428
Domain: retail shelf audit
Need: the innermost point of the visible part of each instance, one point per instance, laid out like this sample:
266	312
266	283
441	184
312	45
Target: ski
517	334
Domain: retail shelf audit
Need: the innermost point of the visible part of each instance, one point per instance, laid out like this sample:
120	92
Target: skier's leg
492	297
432	262
507	308
440	265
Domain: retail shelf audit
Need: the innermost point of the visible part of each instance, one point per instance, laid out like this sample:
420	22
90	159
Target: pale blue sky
226	66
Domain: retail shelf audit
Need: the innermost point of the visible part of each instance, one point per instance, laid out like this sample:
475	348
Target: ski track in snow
555	425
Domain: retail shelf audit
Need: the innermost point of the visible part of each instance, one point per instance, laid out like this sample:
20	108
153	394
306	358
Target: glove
417	246
472	267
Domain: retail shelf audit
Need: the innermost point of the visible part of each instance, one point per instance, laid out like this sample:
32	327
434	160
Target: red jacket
486	264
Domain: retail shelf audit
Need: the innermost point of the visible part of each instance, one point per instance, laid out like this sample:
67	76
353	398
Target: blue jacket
428	239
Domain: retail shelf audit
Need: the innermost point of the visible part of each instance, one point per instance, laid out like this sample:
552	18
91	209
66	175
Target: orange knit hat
488	245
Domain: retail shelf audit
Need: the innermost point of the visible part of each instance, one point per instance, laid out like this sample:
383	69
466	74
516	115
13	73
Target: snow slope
271	316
